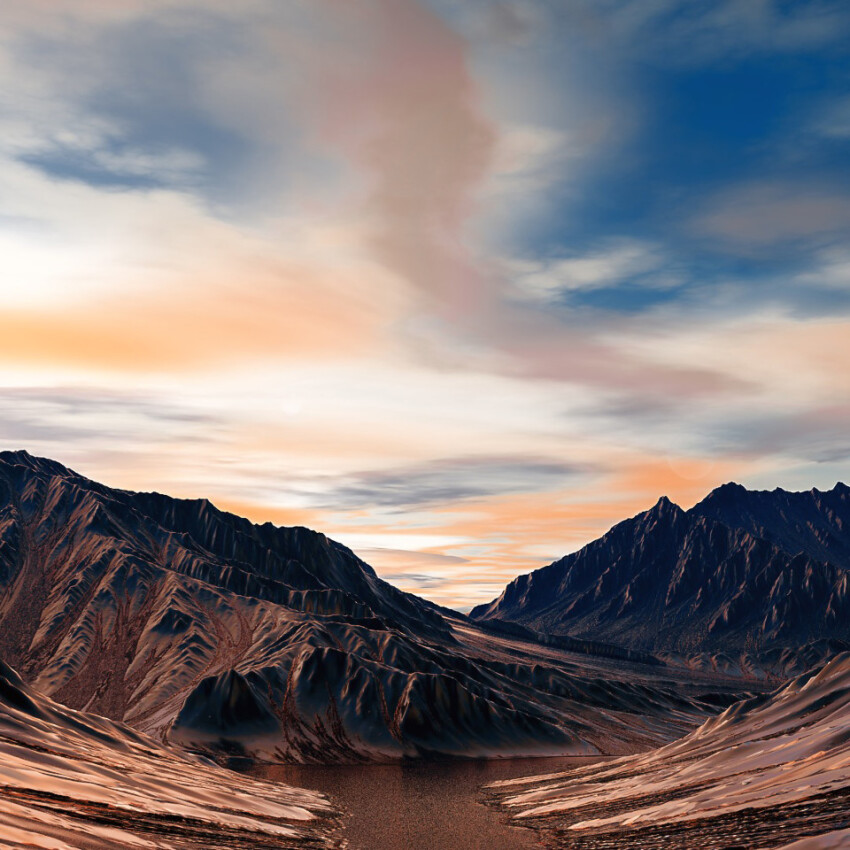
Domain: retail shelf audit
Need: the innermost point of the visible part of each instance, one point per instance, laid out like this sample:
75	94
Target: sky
460	284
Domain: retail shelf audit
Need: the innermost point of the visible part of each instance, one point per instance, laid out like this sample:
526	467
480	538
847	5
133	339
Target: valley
640	692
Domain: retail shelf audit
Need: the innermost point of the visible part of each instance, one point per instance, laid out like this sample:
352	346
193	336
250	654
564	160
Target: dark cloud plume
451	480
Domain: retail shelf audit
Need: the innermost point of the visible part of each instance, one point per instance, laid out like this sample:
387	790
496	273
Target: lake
421	805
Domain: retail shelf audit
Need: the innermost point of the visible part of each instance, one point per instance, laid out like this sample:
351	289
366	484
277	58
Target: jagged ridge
198	626
772	574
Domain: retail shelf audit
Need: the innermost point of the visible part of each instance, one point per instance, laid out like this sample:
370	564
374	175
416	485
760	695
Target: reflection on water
420	805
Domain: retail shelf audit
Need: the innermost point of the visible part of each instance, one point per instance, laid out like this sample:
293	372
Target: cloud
765	214
397	99
834	121
234	127
830	270
151	282
621	261
673	30
794	409
449	480
256	252
395	104
508	22
127	438
410	556
203	325
110	165
819	435
526	155
32	419
119	101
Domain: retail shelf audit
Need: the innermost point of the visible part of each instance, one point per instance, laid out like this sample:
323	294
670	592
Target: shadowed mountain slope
764	773
200	627
815	523
75	780
739	572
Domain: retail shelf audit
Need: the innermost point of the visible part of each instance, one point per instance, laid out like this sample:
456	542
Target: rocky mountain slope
814	522
199	627
74	780
766	772
741	572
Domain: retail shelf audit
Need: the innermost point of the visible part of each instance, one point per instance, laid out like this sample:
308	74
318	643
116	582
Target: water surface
421	805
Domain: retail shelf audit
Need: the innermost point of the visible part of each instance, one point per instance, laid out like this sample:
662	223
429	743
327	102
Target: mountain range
753	574
182	624
203	629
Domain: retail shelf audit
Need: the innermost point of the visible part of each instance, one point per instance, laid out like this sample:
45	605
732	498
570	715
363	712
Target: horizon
357	552
459	285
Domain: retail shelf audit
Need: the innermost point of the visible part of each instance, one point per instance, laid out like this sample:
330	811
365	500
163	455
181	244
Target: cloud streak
450	480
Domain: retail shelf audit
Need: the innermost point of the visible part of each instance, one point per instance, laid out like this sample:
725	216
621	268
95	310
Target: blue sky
461	284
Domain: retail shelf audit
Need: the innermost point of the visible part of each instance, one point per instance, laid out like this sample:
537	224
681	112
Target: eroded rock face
200	627
742	574
814	522
73	779
766	771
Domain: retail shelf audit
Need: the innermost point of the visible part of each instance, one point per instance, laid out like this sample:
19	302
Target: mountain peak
729	490
663	508
22	458
16	456
688	581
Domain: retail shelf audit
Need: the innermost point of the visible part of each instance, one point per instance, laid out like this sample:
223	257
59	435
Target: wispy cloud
834	119
450	480
763	215
618	262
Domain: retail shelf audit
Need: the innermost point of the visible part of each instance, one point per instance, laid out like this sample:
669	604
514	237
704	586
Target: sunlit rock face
204	629
760	579
764	773
75	780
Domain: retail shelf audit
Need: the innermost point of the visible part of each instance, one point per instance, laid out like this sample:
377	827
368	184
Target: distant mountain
766	772
75	780
199	627
813	523
741	572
